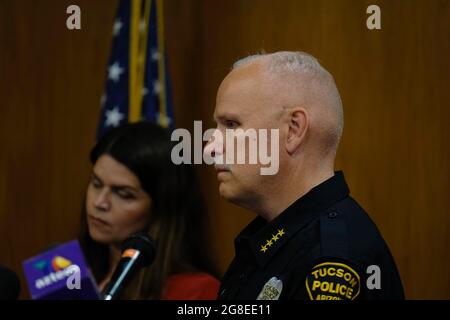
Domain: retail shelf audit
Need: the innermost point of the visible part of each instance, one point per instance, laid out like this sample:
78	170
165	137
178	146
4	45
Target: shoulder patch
332	281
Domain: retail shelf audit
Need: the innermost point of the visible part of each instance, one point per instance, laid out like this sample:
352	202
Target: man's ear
297	127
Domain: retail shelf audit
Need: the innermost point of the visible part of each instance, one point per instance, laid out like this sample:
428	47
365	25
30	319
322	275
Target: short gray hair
285	61
298	62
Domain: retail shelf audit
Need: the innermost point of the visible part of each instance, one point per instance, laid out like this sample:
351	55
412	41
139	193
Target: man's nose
209	148
102	201
214	145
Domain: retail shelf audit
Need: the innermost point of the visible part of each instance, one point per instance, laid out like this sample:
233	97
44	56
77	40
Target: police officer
311	240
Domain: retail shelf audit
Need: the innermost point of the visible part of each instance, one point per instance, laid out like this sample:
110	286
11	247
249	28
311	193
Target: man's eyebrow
226	116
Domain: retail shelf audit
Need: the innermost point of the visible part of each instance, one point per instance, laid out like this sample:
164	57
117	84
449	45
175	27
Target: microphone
60	273
138	251
9	284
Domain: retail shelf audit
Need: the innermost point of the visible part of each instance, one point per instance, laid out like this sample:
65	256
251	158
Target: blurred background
394	82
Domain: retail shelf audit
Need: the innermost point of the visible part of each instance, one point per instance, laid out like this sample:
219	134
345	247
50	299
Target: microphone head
143	243
9	284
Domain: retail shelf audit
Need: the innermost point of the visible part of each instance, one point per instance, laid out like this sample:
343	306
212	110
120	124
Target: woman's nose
102	201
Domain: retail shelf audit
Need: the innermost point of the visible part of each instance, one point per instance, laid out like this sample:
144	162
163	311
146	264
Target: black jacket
324	246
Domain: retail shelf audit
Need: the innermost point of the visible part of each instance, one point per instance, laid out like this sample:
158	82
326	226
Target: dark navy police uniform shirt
323	247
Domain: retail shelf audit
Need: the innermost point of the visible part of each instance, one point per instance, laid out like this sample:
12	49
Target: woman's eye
124	195
96	184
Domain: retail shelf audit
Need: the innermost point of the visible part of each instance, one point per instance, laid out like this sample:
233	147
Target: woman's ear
298	121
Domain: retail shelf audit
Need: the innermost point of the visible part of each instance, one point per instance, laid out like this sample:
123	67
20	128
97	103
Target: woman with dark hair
134	186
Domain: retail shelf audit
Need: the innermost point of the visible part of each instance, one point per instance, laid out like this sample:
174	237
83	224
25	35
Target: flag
137	81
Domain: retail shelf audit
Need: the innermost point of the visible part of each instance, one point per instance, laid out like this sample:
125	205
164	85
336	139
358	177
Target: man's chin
225	191
230	194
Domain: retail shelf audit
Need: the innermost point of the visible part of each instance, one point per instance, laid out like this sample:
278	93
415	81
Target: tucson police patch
332	281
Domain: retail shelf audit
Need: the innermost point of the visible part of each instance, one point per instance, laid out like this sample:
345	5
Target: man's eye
231	124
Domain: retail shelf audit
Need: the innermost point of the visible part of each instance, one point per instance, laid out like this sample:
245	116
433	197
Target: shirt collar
261	240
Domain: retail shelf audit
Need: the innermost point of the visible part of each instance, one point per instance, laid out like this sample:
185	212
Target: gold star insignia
271	241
